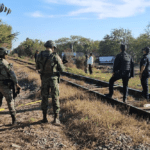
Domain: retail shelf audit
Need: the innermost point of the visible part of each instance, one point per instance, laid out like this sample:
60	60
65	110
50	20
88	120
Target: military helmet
50	44
3	51
146	49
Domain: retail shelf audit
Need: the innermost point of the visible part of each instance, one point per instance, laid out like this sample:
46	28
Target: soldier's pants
144	83
125	84
90	69
86	68
7	93
48	83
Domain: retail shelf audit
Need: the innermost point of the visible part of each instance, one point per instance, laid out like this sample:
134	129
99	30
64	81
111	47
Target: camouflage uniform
6	72
50	65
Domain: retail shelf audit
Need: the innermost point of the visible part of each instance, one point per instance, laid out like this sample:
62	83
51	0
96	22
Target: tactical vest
3	73
48	64
125	61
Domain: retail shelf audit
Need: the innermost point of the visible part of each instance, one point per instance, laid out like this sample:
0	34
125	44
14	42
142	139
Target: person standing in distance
145	72
50	65
36	54
123	68
90	63
7	73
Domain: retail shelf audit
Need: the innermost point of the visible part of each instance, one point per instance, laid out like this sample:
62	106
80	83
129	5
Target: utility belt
11	85
125	73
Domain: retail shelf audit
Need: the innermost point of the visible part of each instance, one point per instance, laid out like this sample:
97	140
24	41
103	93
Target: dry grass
70	64
106	69
32	76
15	55
80	82
89	120
80	63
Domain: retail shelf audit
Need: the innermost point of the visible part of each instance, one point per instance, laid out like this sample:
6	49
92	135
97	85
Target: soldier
85	63
144	72
7	74
123	69
50	66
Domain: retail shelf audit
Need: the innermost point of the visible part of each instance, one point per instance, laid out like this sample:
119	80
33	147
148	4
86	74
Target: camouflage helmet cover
3	51
50	44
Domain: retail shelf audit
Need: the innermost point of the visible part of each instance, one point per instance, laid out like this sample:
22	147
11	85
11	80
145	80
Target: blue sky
54	19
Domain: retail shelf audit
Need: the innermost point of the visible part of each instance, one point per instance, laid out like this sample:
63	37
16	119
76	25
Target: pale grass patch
80	82
103	90
117	94
130	98
141	103
67	92
32	75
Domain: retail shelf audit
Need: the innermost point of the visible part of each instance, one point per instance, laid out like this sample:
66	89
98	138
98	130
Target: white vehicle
68	54
106	59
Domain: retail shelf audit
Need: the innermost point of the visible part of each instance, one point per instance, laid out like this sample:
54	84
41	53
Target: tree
147	30
137	46
6	36
111	43
28	47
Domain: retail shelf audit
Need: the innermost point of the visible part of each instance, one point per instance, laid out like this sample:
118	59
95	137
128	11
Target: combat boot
56	120
14	121
44	116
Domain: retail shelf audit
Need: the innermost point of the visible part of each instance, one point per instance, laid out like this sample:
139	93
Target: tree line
110	44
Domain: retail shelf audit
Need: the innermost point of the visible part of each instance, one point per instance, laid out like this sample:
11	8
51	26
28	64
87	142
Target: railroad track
93	86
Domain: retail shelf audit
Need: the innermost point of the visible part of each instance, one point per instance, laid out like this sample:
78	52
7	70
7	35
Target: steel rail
131	110
133	92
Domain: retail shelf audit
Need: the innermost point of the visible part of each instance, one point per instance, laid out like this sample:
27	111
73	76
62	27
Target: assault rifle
11	85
